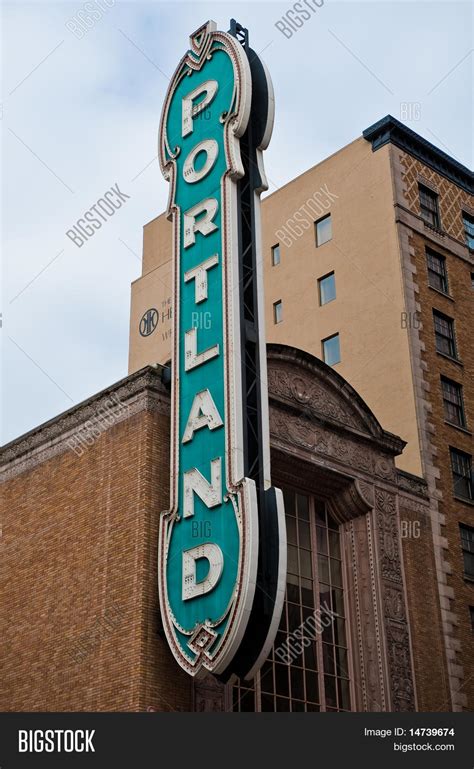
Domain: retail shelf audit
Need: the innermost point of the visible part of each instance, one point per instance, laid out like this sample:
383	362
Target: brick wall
458	594
79	545
429	656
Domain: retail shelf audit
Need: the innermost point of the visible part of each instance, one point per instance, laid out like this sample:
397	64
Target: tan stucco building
368	265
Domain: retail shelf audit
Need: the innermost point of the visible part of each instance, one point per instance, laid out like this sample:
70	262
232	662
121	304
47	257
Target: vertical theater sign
222	543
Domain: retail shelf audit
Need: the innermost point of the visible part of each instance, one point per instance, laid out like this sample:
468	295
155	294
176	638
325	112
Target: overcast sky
80	115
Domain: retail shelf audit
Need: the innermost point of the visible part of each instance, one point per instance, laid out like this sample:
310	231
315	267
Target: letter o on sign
211	148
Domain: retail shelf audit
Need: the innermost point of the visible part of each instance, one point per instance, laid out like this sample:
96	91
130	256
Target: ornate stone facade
326	441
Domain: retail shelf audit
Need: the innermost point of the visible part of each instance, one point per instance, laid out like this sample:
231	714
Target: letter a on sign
210	543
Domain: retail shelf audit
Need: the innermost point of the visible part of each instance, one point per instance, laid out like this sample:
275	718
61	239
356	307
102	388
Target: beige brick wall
79	596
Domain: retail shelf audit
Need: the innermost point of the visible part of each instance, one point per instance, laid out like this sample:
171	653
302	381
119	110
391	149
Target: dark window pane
320	509
307	596
310	657
328	658
297	707
334	543
324	596
323	568
305	564
336	572
437	275
297	683
343	693
321	538
429	206
468	222
247	701
289	499
341	662
267	703
444	334
291	530
337	601
467	544
266	677
453	402
461	465
294	617
282	705
339	631
332	524
467	538
275	255
311	707
281	679
327	634
330	690
312	690
303	534
292	555
303	506
468	564
293	590
280	640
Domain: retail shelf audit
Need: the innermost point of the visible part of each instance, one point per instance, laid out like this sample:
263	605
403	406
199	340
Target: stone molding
138	392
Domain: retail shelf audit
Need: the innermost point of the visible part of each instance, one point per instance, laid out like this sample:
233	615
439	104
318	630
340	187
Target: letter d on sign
213	554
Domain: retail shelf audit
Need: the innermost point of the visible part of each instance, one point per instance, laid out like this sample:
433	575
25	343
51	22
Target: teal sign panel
209	539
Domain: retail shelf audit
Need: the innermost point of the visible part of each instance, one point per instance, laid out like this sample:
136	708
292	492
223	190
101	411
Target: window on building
472	279
314	676
327	288
276	255
429	206
323	230
331	350
278	311
461	465
468	222
453	402
471	612
467	544
444	334
437	275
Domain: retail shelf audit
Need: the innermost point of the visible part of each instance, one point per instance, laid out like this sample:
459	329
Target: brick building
368	265
380	527
82	496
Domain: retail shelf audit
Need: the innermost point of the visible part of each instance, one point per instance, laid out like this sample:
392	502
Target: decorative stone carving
302	390
388	535
209	695
412	484
141	391
313	432
393	602
366	491
369	679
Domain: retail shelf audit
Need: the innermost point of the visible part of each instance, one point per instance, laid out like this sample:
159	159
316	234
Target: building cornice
150	379
389	130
